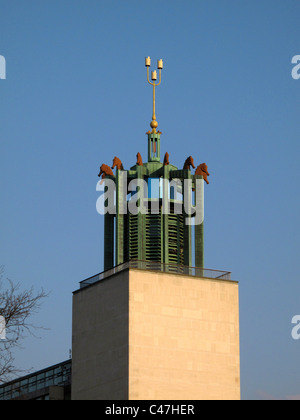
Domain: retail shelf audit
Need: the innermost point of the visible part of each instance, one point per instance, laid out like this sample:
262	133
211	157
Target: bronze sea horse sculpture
117	163
105	170
188	163
203	171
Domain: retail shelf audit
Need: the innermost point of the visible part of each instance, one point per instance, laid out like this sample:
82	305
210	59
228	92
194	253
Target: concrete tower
154	325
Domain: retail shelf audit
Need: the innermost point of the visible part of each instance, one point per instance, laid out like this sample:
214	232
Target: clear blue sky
76	95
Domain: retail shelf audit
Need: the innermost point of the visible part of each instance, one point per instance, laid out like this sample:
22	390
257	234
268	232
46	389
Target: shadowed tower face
162	228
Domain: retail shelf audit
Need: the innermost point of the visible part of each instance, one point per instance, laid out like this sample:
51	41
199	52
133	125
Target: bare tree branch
16	307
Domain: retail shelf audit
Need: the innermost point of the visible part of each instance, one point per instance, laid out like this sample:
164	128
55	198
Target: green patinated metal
157	234
108	241
199	237
154	147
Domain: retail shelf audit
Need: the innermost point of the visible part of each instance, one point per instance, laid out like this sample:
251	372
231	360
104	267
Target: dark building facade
52	383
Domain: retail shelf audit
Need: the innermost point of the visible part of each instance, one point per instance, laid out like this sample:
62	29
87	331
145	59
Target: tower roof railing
160	267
